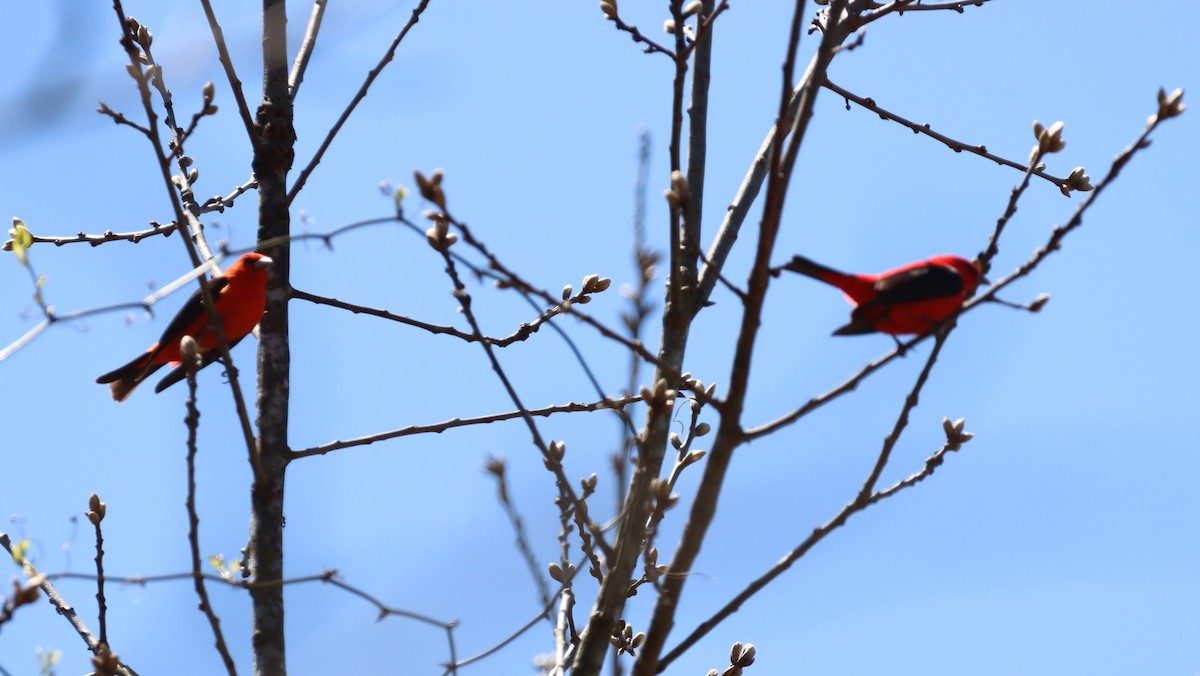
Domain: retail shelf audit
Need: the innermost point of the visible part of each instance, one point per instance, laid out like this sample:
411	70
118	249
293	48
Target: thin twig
230	74
524	628
902	6
993	247
60	604
782	161
645	262
192	420
119	119
956	146
553	461
796	554
95	514
522	333
182	199
358	97
437	428
307	44
865	496
496	467
217	203
635	34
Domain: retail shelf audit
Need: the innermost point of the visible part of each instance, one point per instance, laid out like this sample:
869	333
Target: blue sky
1060	541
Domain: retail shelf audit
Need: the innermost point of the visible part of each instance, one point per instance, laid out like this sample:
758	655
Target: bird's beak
263	263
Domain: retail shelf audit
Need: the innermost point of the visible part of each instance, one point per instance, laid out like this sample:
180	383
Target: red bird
240	296
913	298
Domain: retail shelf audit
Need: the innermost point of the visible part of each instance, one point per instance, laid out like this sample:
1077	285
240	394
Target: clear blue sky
1062	540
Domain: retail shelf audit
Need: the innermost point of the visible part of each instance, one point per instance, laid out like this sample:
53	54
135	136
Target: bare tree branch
307	44
438	428
358	97
60	604
956	146
235	84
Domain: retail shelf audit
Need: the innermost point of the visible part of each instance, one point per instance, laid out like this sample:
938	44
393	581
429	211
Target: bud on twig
1170	105
96	510
189	351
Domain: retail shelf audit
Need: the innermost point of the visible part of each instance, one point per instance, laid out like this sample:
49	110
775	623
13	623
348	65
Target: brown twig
956	146
192	421
729	436
358	97
568	500
798	552
184	203
217	203
901	6
235	84
513	280
496	467
60	604
307	44
95	514
610	11
522	333
119	119
645	262
438	428
1169	106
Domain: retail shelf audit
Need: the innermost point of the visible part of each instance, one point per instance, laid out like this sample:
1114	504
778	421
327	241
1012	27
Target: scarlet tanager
913	298
240	297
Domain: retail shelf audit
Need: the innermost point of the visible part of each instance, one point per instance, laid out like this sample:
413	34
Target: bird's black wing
187	314
922	283
180	372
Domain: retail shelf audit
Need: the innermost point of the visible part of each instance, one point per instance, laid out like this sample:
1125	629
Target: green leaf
22	240
19	549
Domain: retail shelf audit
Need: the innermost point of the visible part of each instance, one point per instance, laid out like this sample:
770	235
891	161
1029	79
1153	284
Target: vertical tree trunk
273	156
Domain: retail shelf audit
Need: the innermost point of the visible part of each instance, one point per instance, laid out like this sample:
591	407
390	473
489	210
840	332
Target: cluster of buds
1169	105
431	187
955	436
591	284
139	33
96	510
105	662
660	493
692	9
439	235
740	656
588	486
1049	140
624	640
659	397
651	570
1078	180
677	194
22	595
558	575
555	452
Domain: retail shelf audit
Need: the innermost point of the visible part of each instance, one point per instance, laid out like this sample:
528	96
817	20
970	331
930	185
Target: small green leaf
22	240
19	550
